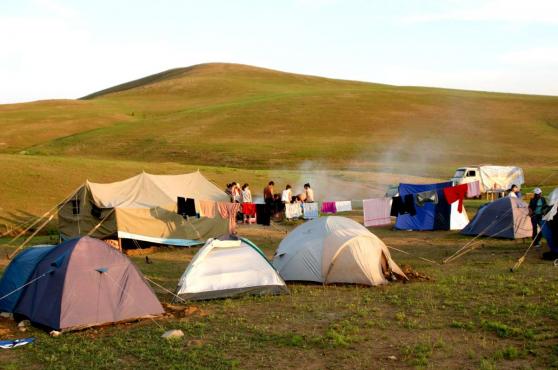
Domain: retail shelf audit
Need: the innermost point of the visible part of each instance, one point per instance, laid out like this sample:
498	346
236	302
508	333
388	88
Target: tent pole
30	226
31	236
62	203
99	224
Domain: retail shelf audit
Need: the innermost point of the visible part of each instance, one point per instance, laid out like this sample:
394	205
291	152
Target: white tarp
500	177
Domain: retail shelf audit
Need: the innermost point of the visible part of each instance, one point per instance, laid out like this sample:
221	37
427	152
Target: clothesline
377	211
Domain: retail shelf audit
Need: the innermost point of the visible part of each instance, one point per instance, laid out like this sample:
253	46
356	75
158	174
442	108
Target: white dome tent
229	268
334	250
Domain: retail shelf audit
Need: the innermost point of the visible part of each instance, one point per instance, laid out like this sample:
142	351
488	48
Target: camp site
291	185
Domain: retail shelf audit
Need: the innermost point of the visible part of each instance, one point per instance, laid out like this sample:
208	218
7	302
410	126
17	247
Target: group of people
306	196
275	201
239	194
537	209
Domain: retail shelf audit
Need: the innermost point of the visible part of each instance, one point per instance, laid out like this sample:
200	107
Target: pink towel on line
229	210
377	211
329	207
207	208
473	189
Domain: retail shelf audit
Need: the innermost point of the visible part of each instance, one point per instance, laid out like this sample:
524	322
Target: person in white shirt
246	194
309	193
287	195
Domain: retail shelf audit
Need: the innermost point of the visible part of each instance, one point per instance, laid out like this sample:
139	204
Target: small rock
392	358
22	329
176	333
6	315
23	323
55	333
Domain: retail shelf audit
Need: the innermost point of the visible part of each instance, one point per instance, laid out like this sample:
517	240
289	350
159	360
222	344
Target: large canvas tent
143	207
334	250
431	216
229	268
83	282
504	218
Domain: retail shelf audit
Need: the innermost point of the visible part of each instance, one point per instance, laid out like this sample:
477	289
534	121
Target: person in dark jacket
537	207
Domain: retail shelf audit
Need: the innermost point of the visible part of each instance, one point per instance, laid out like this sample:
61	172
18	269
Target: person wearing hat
537	206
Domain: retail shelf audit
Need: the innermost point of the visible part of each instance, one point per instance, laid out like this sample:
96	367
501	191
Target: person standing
537	207
268	193
246	194
236	193
287	195
514	192
309	193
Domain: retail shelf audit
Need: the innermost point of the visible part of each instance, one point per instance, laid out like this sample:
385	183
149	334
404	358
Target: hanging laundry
473	189
229	210
377	211
185	206
293	210
329	207
249	209
208	208
397	207
409	204
310	210
199	211
343	206
263	214
430	196
456	193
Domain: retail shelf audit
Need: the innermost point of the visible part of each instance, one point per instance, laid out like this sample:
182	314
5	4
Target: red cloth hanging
456	193
249	209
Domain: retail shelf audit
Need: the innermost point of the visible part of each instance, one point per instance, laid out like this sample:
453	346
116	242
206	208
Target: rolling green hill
250	124
242	116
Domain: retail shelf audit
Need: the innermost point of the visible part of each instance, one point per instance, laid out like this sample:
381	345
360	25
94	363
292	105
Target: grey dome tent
84	282
506	218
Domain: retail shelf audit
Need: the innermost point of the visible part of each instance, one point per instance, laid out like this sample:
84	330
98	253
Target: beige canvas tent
143	208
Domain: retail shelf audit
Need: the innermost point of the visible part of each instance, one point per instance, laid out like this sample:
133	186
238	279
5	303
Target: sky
67	49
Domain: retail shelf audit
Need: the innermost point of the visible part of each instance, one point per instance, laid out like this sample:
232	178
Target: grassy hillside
241	116
235	122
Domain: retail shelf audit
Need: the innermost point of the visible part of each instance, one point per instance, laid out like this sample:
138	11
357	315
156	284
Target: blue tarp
17	274
430	216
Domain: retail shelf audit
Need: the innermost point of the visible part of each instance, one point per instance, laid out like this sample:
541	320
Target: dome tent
84	282
229	268
17	274
504	218
334	250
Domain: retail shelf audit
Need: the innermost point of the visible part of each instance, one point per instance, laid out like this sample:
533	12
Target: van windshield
459	174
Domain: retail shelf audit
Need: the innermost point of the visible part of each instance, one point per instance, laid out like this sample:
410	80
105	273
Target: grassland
350	140
473	314
246	117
